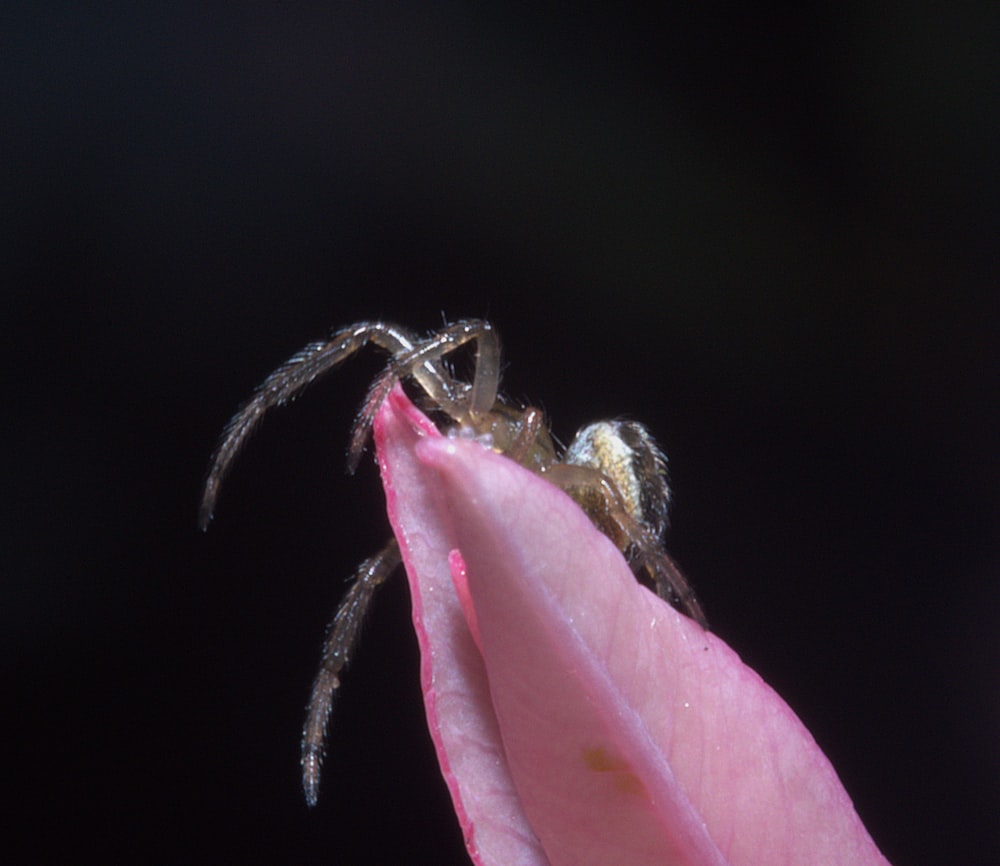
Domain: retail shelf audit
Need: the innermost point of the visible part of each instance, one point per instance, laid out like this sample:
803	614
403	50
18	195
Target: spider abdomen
625	453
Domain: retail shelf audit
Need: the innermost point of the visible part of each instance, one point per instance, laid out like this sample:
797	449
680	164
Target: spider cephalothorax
613	469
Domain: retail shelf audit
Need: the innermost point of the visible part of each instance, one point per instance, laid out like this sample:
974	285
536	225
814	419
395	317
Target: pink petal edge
587	721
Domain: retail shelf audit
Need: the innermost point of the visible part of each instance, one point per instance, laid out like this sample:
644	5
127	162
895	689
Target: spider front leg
474	401
341	639
301	370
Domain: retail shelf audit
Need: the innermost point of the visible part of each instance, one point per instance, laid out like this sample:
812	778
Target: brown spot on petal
598	759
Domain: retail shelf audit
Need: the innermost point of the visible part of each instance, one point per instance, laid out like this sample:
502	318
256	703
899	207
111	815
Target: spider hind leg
617	474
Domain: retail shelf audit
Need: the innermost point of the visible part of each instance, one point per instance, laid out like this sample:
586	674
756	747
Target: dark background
771	236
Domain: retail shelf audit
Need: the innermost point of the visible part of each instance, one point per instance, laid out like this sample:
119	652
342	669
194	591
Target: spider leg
531	445
482	392
529	428
299	371
341	639
671	584
600	499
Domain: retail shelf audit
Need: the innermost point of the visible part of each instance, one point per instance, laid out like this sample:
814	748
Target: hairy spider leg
301	370
421	360
481	393
595	493
531	427
341	639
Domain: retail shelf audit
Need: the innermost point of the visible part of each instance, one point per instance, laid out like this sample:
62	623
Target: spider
613	469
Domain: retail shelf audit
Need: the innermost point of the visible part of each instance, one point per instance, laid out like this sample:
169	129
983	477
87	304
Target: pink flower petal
578	718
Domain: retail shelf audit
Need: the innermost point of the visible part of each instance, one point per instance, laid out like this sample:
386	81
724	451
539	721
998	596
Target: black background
771	236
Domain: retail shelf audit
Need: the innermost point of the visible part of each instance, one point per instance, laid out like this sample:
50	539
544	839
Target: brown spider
613	469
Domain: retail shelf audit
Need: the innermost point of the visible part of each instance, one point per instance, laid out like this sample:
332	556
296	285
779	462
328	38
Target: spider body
613	469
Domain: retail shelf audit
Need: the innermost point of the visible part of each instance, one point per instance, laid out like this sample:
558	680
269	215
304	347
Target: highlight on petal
578	718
